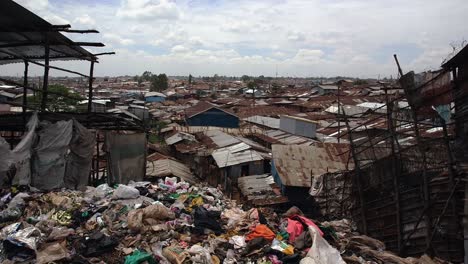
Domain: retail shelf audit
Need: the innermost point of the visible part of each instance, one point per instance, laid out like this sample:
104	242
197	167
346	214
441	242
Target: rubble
172	222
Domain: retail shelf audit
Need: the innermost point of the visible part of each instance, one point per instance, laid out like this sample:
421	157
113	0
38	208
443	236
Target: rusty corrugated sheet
297	164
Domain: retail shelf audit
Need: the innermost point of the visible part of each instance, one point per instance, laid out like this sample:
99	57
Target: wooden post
357	170
45	83
90	87
395	171
25	92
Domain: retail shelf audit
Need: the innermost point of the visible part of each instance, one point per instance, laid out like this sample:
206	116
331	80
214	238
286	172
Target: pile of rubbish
171	222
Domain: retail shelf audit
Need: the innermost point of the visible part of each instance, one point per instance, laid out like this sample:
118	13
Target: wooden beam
90	87
34	89
45	83
43	65
41	43
104	53
25	91
80	31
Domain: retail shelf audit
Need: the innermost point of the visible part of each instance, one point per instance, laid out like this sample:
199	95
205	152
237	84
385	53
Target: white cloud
56	20
179	49
85	20
307	55
296	36
149	10
34	5
114	38
302	37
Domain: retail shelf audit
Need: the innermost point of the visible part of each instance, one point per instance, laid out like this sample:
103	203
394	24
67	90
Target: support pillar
25	92
45	84
90	87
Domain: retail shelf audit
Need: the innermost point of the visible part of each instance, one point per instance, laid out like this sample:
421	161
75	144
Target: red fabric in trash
295	227
261	231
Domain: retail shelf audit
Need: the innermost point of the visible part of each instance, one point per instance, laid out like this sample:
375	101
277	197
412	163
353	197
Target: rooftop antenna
276	71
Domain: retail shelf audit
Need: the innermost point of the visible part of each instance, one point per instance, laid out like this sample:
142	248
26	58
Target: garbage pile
171	222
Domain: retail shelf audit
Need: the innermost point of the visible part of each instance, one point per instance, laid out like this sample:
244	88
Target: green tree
275	87
360	82
252	85
147	75
190	79
59	98
245	78
159	82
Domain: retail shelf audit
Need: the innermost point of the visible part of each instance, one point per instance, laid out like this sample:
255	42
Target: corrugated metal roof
264	121
296	165
236	154
221	139
169	167
27	31
179	136
260	189
204	106
149	94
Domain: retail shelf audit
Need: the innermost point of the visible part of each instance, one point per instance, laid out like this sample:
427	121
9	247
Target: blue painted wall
214	117
155	99
276	176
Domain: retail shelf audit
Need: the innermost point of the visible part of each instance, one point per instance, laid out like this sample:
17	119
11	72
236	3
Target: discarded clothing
261	231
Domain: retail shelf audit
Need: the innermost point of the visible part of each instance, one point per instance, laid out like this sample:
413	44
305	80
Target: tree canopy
159	82
59	98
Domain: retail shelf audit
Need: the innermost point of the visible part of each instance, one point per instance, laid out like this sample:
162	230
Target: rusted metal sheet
297	164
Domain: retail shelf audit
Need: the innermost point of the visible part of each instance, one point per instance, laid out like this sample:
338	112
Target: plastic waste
321	252
138	257
282	246
238	242
125	192
52	252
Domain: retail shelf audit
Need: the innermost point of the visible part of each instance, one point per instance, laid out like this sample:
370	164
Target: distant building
323	89
298	126
206	114
155	97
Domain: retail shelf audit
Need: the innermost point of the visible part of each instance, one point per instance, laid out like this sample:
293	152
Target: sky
296	38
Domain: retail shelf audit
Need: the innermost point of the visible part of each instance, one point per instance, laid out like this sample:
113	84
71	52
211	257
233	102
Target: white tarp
80	157
49	155
22	153
127	157
6	159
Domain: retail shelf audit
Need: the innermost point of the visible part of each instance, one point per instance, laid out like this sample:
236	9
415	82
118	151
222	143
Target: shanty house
323	89
298	126
151	97
294	166
236	161
206	114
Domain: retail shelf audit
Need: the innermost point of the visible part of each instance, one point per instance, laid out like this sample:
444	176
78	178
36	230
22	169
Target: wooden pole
395	171
25	91
45	83
90	87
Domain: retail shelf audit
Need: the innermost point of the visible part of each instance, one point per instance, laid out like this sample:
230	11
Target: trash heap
171	222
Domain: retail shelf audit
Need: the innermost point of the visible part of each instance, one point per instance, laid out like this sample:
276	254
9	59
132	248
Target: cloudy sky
235	37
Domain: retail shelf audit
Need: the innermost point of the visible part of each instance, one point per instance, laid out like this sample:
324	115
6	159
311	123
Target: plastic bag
126	192
238	242
282	246
321	252
52	252
175	255
171	181
138	257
